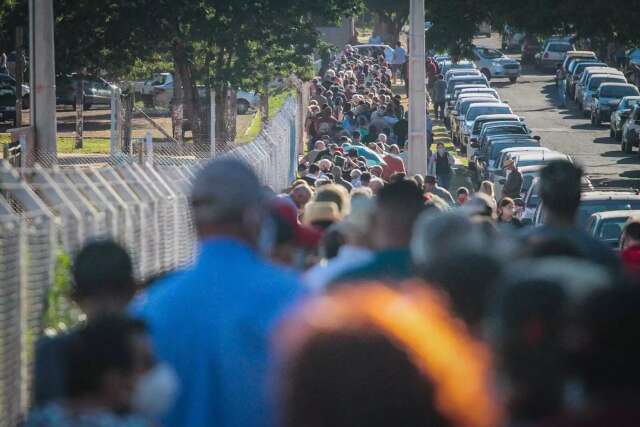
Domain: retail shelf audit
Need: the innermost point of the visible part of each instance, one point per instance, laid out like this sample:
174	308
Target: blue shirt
212	324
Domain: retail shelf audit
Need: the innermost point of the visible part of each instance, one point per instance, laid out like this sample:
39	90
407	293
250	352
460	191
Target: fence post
115	120
19	74
212	121
79	113
148	149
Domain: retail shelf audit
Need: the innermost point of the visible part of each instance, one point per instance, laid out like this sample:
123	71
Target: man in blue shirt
211	323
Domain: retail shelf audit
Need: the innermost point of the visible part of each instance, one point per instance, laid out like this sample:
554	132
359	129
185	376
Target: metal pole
417	91
212	121
115	117
19	74
43	88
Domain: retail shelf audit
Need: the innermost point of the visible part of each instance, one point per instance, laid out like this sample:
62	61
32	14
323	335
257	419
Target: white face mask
155	391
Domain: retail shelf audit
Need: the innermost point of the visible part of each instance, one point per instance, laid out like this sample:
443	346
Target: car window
611	229
618	91
559	47
597	81
534	197
489	53
485	111
589	207
511	130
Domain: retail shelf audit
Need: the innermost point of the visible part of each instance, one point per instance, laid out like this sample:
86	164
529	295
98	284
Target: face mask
155	391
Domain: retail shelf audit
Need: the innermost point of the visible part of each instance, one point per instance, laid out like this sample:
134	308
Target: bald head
225	194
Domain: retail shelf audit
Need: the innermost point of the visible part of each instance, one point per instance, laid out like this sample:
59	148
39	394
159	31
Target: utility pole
43	86
417	91
19	74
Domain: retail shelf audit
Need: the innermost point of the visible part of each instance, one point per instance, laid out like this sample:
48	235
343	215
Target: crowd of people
358	296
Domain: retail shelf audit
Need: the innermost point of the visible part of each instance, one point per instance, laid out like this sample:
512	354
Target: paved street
534	97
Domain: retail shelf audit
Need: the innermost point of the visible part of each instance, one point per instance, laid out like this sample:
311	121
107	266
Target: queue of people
358	296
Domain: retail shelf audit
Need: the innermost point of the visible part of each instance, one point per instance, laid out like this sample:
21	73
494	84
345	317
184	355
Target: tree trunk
226	110
264	104
177	106
192	100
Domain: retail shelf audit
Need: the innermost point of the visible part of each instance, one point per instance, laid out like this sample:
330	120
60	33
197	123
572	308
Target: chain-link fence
139	198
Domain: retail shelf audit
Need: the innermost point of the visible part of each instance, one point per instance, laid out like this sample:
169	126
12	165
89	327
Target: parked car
487	156
7	102
460	110
512	41
450	65
586	76
7	80
552	54
373	50
532	199
597	201
472	132
607	226
476	110
607	98
633	56
575	74
464	80
592	87
493	63
244	100
577	55
96	90
484	29
631	131
620	115
458	72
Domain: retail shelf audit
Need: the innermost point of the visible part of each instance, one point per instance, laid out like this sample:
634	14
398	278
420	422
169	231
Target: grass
67	145
276	102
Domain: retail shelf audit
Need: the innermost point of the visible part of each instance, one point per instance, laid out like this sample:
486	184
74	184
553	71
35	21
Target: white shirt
388	54
320	276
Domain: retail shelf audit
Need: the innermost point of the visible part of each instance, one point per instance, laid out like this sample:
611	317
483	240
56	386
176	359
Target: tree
394	14
455	22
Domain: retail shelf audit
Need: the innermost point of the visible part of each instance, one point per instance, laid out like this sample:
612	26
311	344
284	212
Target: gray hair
225	190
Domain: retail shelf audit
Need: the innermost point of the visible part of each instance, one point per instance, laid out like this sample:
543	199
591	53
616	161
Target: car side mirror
537	138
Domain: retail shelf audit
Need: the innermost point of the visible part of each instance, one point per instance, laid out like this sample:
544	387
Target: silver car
493	63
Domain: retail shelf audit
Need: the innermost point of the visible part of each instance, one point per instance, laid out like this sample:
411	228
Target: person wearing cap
513	185
431	186
199	317
283	239
356	251
321	215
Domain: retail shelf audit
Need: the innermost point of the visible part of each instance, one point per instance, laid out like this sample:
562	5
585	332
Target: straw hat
321	211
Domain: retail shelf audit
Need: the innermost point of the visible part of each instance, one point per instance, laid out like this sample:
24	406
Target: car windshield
582	65
489	53
628	103
454	83
618	91
467	105
510	130
597	81
478	123
487	110
589	207
534	197
534	161
496	149
559	47
527	180
610	229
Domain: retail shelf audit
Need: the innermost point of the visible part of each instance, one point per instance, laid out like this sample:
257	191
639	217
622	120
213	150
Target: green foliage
394	13
455	22
61	314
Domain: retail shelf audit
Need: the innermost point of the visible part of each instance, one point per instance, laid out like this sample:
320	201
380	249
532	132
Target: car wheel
513	79
243	106
486	73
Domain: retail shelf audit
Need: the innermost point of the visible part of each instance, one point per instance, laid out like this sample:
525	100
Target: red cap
305	237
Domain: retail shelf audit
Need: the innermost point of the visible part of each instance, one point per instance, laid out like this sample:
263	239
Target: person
103	283
300	196
397	206
399	58
560	191
439	97
320	215
462	195
506	213
388	54
3	64
373	357
401	130
393	162
429	131
326	123
313	173
338	178
111	379
440	165
486	187
356	250
200	318
431	186
513	185
630	248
